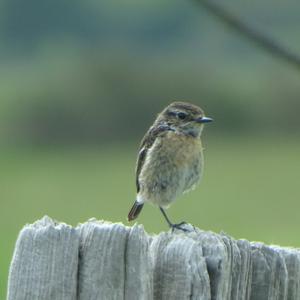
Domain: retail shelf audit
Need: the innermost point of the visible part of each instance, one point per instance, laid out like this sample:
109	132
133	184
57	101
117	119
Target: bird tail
135	210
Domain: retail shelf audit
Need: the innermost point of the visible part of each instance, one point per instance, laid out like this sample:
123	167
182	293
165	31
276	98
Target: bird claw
179	226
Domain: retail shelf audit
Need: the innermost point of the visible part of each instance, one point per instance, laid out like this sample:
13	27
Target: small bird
170	159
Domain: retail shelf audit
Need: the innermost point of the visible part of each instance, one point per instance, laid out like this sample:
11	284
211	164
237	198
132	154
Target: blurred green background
81	81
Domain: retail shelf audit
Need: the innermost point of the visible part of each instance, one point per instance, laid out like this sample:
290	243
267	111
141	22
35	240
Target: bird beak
203	120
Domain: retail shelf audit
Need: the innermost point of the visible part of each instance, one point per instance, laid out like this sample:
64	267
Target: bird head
184	117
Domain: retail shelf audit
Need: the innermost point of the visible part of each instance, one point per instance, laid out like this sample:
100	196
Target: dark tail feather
135	211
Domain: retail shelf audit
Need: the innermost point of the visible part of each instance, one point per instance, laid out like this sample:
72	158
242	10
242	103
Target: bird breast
173	166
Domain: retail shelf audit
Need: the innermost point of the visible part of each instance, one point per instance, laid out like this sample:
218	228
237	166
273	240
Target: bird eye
181	115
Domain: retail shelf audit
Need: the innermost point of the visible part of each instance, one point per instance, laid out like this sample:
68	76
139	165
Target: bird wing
146	143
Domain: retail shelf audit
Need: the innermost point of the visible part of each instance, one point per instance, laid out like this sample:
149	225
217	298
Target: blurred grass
249	190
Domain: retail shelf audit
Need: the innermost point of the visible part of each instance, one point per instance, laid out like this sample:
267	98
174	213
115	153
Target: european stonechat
170	159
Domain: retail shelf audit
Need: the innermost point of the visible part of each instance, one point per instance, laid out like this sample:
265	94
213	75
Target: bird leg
173	226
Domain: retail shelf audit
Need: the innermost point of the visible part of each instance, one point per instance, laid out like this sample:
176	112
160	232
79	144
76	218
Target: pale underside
173	166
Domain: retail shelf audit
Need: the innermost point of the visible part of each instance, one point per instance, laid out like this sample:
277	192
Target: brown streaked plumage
170	158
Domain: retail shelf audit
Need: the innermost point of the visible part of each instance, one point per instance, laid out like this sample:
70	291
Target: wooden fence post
102	260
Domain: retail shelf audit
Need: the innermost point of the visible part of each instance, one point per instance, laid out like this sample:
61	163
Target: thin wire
260	39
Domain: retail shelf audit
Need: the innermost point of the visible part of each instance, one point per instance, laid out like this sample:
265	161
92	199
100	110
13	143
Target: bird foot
180	226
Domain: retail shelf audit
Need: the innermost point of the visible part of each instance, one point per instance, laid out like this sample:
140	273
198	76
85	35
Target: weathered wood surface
102	260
